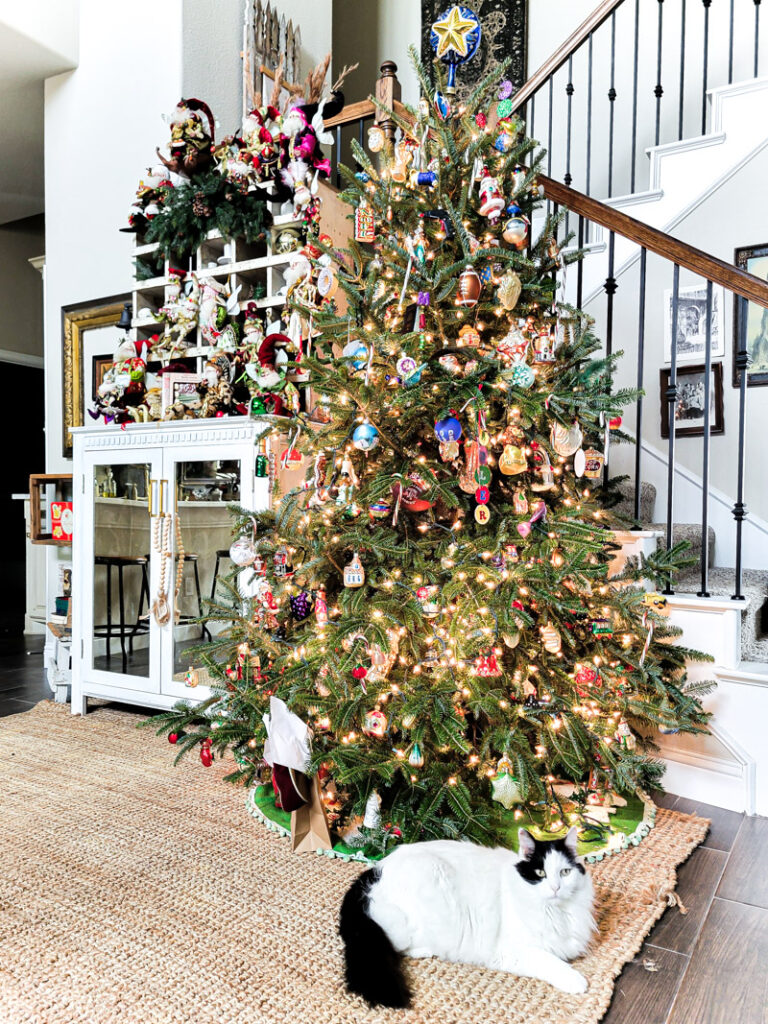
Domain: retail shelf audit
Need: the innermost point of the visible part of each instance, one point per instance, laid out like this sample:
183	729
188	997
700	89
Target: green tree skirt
627	828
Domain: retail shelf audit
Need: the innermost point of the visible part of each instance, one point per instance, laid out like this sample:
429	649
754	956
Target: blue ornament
365	437
455	37
442	106
522	375
357	354
448	429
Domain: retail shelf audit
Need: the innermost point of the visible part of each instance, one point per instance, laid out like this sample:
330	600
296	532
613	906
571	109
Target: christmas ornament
327	283
281	563
482	515
614	423
321	607
483	475
625	736
585	675
365	223
448	428
354	573
191	677
356	352
539	513
601	627
545	477
376	139
522	375
565	440
206	757
482	495
173	737
415	758
467	477
594	463
412	495
375	724
242	551
449	451
486	666
469	288
408	370
579	462
365	437
520	503
379	509
544	346
509	290
505	140
261	465
512	460
515	231
551	639
504	785
427	598
468	335
491	199
657	603
454	37
301	605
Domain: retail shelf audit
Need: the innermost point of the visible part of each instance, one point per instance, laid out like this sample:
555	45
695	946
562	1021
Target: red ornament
206	757
173	737
360	672
480	119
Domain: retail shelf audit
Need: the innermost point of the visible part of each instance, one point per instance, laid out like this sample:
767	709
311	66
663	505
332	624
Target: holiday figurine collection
432	601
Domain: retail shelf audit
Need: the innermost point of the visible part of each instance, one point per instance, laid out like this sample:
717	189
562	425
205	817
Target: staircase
721	603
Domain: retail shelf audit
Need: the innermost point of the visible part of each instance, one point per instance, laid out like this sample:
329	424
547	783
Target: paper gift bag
309	827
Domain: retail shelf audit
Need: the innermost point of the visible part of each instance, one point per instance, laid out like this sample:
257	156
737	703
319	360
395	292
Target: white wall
102	123
372	31
212	38
21	289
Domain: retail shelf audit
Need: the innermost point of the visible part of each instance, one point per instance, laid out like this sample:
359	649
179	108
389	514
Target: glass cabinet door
202	481
120	585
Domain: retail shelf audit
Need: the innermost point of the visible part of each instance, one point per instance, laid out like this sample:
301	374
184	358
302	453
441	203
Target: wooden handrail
600	14
352	112
672	249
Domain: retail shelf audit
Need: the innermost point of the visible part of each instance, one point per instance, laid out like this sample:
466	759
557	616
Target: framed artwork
99	367
76	323
180	387
753	259
689	411
691	339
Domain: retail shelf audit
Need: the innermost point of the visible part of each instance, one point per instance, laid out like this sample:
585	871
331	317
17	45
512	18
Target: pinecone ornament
200	207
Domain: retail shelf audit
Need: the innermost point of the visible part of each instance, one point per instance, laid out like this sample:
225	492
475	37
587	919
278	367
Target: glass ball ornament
365	437
357	354
448	429
516	228
522	375
243	551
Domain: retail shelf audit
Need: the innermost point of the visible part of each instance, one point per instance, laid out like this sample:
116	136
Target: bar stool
185	619
221	553
107	630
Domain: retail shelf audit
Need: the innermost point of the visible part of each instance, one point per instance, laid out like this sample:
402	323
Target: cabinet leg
79	704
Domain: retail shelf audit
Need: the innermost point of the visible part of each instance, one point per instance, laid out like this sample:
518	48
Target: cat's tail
374	968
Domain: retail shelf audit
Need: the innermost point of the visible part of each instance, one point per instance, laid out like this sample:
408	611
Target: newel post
387	91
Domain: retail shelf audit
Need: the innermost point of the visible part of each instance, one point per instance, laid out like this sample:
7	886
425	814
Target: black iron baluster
671	397
338	155
705	72
682	71
610	287
532	115
757	33
549	136
740	509
639	405
589	112
730	47
658	92
634	97
704	592
611	100
569	93
580	266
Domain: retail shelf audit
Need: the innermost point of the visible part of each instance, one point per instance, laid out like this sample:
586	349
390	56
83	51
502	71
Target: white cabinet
142	495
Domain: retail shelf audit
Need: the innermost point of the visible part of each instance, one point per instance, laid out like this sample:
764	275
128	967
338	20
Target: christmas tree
435	601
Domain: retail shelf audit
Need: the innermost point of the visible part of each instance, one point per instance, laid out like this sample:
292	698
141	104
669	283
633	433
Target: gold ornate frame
74	323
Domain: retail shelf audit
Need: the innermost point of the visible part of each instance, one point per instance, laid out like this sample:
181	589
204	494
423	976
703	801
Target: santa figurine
491	199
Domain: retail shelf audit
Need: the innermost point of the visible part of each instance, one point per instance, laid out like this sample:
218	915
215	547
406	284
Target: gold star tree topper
452	32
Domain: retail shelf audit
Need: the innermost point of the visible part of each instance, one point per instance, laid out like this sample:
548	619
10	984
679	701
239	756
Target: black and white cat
526	913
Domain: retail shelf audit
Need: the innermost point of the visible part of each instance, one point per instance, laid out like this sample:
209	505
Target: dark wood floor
709	966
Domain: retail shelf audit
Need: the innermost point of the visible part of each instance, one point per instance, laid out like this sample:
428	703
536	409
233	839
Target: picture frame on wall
753	259
691	324
180	387
689	411
100	366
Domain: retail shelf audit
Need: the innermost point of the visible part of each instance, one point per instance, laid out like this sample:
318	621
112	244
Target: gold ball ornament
509	290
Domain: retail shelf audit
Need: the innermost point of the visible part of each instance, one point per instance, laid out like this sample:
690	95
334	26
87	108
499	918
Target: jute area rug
135	892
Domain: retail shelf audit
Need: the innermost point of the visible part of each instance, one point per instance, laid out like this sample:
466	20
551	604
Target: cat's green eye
540	872
565	871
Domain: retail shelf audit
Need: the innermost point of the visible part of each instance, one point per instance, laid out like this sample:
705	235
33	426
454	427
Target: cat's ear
526	843
572	839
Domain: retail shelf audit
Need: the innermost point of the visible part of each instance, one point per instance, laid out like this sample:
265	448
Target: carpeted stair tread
754	618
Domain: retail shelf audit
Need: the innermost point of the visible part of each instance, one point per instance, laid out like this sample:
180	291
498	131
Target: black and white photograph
753	259
690	404
691	333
